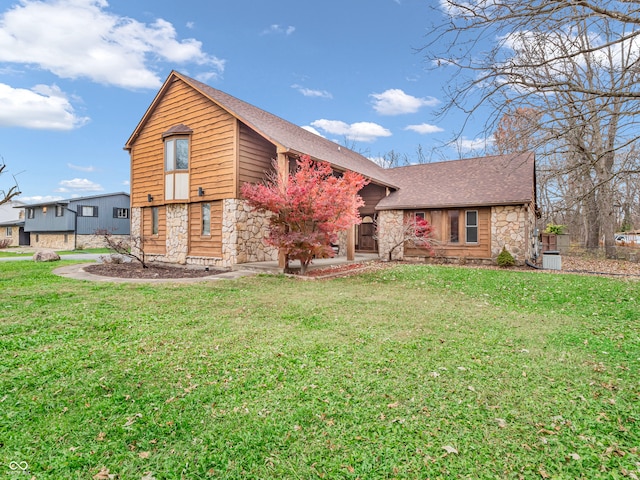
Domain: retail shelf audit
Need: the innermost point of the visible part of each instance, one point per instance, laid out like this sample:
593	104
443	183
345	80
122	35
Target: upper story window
176	154
31	212
87	211
59	210
44	210
120	213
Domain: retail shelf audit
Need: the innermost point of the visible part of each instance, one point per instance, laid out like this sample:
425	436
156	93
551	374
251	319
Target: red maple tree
310	207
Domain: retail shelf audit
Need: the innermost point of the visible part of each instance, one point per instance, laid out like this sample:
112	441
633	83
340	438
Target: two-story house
76	223
195	147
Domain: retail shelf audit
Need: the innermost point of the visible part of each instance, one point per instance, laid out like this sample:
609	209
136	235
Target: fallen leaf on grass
104	474
101	436
144	454
502	423
393	405
132	420
573	456
450	449
543	474
148	476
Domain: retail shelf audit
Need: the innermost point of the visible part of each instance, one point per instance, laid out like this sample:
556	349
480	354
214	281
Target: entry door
366	241
24	238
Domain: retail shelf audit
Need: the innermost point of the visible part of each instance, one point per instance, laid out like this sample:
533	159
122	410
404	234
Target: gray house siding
106	218
73	223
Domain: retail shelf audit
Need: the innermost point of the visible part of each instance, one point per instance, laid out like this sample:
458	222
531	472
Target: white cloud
40	199
275	28
395	102
81	184
312	130
424	128
469	145
43	108
80	168
79	38
307	92
359	131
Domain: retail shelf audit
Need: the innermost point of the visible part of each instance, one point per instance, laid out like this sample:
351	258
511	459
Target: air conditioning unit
551	260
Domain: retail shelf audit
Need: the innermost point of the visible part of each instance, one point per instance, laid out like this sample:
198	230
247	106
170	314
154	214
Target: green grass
525	375
9	253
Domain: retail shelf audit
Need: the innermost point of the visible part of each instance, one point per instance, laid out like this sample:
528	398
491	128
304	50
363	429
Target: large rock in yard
46	256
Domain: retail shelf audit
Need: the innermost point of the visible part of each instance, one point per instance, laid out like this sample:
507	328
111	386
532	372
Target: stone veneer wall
244	233
14	238
389	229
54	241
510	227
177	240
96	241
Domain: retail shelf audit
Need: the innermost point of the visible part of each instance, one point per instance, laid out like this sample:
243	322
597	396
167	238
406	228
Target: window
176	154
206	219
31	212
59	210
454	217
154	221
472	226
44	210
419	216
9	232
87	211
120	213
66	238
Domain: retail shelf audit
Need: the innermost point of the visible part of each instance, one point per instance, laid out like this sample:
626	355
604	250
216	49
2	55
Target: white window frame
467	226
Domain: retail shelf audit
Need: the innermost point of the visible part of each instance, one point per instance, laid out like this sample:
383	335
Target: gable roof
74	200
496	180
287	137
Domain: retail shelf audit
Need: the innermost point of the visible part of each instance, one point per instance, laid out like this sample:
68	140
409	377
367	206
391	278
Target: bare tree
7	195
575	62
131	248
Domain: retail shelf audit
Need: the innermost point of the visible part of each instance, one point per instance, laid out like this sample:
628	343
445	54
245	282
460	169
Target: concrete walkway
240	270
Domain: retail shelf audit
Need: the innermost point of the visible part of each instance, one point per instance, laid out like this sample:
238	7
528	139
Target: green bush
554	228
505	259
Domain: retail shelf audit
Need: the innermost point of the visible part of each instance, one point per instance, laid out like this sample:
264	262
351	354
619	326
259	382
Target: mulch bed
135	270
570	264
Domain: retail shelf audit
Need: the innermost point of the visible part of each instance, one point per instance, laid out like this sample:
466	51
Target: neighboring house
12	224
76	223
195	146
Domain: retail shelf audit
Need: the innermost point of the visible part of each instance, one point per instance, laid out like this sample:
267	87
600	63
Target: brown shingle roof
291	137
497	180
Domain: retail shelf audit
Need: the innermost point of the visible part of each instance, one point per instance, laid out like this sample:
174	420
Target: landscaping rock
46	256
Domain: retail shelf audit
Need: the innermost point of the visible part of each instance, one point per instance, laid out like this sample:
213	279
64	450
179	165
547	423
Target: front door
366	240
24	238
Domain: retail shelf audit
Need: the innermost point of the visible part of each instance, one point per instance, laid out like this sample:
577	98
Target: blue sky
76	76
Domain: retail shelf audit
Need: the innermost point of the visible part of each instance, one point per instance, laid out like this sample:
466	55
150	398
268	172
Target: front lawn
409	372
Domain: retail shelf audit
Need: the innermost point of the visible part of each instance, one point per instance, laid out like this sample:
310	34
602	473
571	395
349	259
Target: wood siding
154	243
212	148
371	194
205	245
439	219
255	156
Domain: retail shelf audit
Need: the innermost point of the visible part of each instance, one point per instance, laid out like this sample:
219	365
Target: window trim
173	140
59	211
8	232
31	212
155	221
121	213
450	219
205	229
467	226
81	211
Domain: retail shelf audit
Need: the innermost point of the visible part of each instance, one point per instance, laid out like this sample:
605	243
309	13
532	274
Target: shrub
555	228
5	242
505	259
